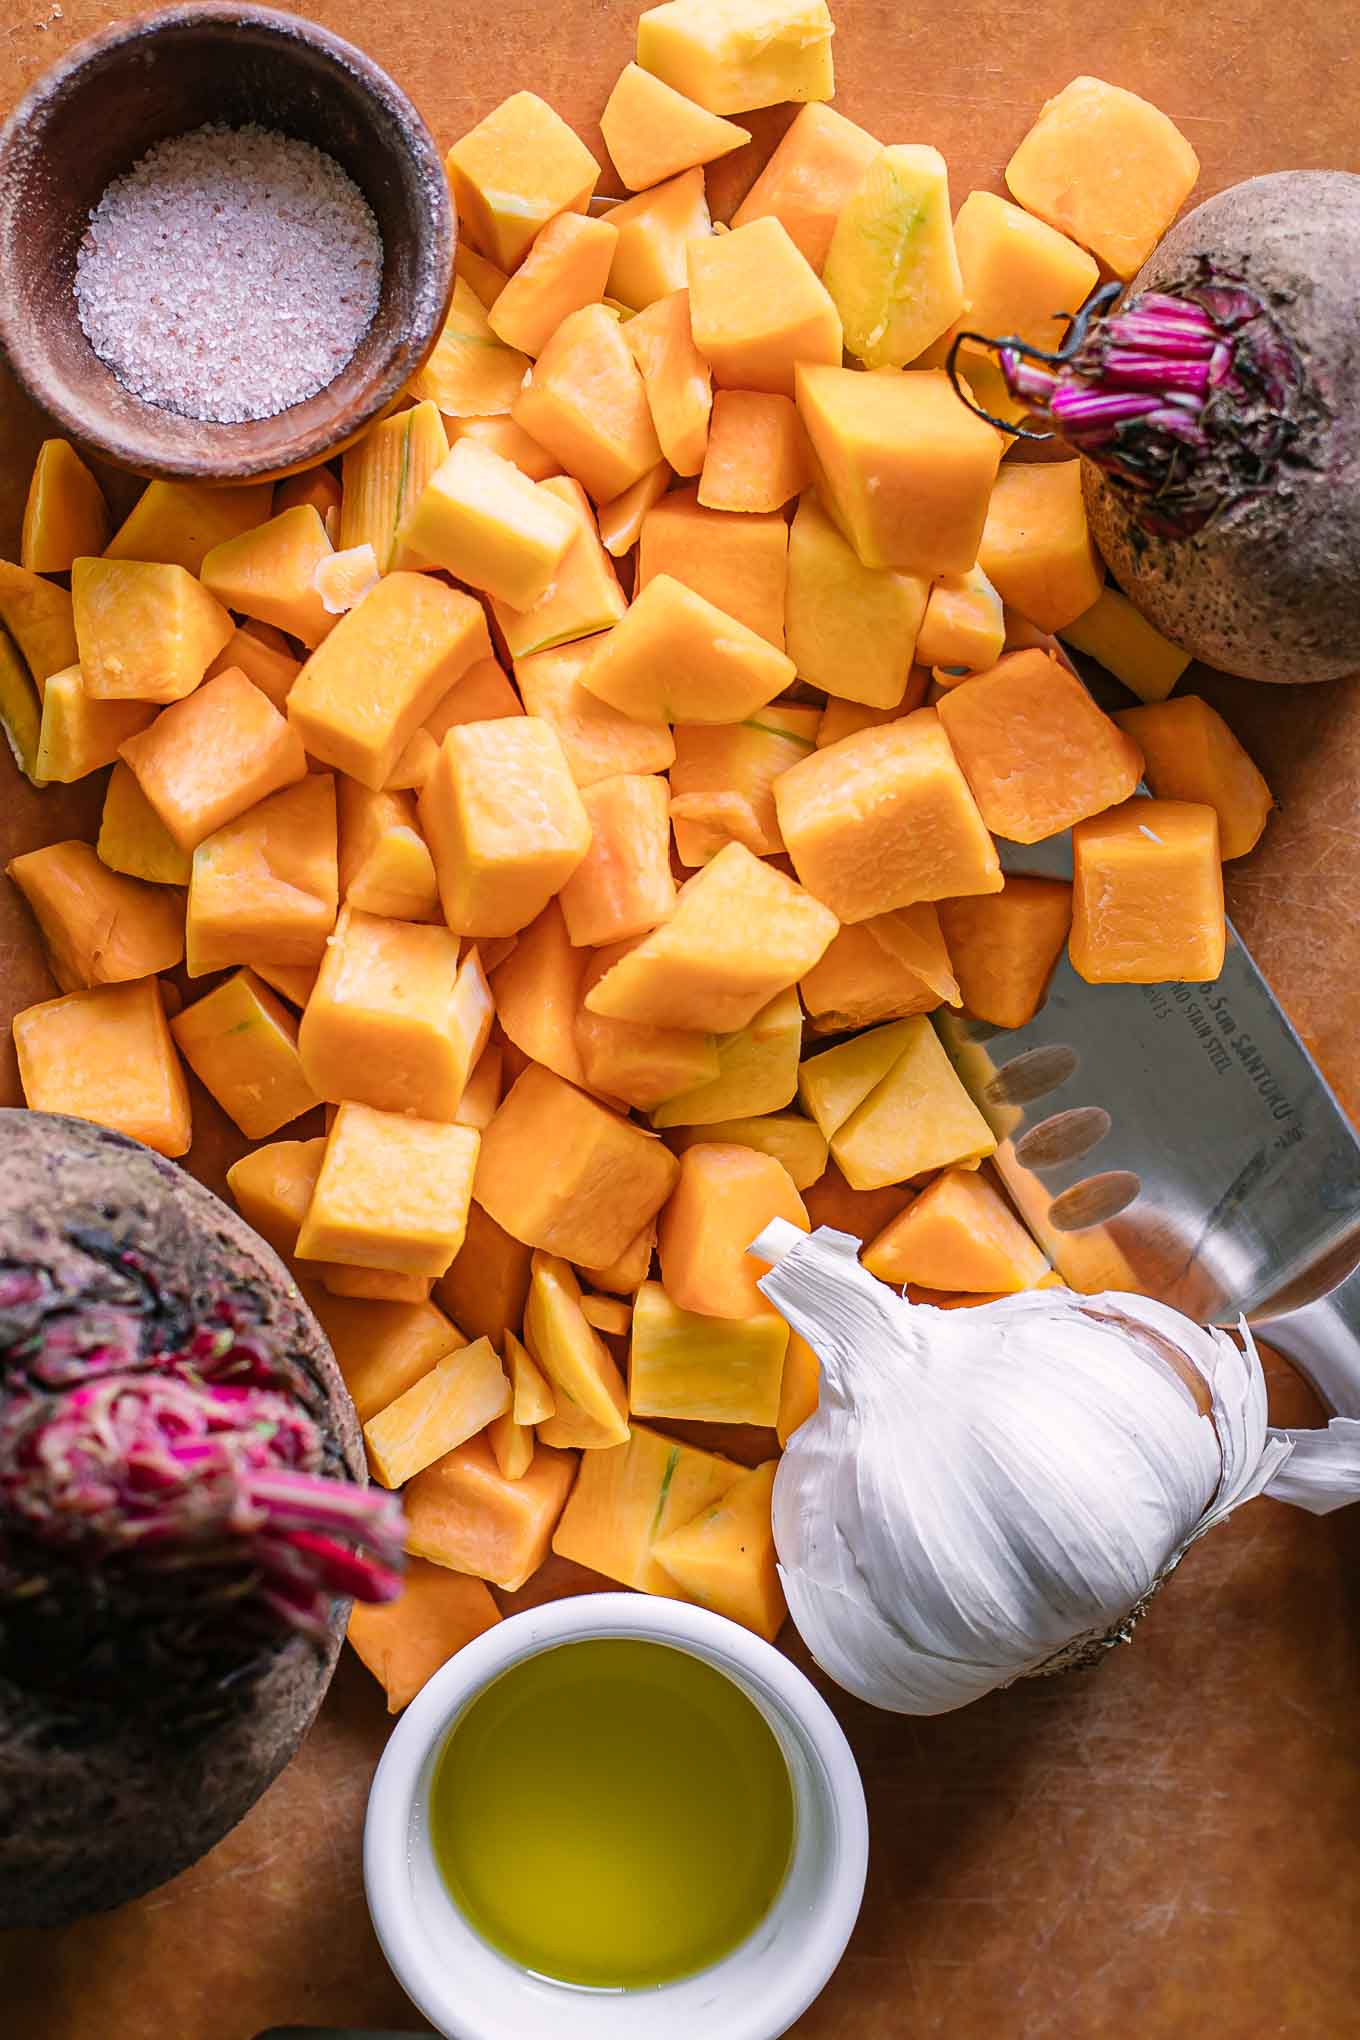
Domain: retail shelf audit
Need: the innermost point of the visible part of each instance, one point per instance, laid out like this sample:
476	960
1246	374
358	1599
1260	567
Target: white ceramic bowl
470	1992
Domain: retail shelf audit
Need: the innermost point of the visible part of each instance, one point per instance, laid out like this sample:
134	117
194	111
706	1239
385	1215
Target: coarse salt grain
231	273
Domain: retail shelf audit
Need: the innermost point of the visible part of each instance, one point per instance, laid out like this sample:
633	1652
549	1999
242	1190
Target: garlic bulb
983	1494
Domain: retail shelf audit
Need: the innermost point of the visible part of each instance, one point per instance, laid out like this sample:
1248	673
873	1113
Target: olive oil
613	1813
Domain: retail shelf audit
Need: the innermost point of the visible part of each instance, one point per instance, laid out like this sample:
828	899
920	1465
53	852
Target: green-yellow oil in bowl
613	1813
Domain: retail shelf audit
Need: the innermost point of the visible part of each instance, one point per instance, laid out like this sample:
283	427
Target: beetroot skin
145	1704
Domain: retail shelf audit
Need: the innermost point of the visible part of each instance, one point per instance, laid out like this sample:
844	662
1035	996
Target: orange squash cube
393	1192
723	1198
623	885
97	926
483	278
793	1141
742	760
272	1187
385	867
585	402
459	1396
1189	753
562	1172
757	308
265	665
40	618
676	657
1003	947
886	968
597	741
620	521
655	232
892	268
394	1021
757	1071
534	1401
1147	895
583	597
241	1042
382	1349
627	1499
514	171
725	1558
809	178
480	519
734	58
964	627
642	1065
65	515
740	932
831	1201
507	439
505	824
739	563
691	1366
537	991
676	378
566	267
653	132
849	628
293	982
1036	549
905	469
848	718
633	1265
482	695
106	1055
422	637
77	734
914	1117
958	1234
271	573
756	457
406	1641
208	758
181	522
1020	276
132	837
469	373
264	889
800	1387
144	632
463	1513
1036	751
590	1404
316	486
1125	643
885	818
511	1443
487	1281
1106	167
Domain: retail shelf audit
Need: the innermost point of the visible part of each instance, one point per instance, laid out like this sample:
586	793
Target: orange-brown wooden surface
1168	1845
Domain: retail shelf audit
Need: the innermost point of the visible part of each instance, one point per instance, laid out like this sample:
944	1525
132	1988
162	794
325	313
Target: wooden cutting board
1170	1843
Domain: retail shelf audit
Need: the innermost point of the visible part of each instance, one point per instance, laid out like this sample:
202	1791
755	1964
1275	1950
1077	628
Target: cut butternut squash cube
915	1116
850	629
537	991
483	278
848	718
723	1198
207	759
653	132
597	741
469	373
505	823
758	308
563	1173
393	1192
1037	753
675	657
464	1514
585	402
835	1083
385	867
627	1499
583	597
40	618
264	889
144	632
317	486
964	625
958	1234
621	519
623	1275
382	1349
487	1281
735	55
20	708
406	1641
739	761
757	1070
740	932
738	563
97	926
566	267
793	1141
395	1022
133	838
886	968
676	378
77	734
272	1187
514	171
1003	948
483	694
1106	167
640	1064
862	1213
756	456
422	637
181	522
385	474
905	469
482	520
534	1401
482	1092
241	1042
590	1404
459	1396
1147	895
682	1365
65	515
268	667
1125	643
623	885
1020	276
270	573
656	230
511	1443
725	1558
106	1055
799	1388
1189	753
507	439
892	268
608	1314
808	180
1036	549
884	819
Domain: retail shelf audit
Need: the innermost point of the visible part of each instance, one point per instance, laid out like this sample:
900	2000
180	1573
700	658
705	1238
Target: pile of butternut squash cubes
585	788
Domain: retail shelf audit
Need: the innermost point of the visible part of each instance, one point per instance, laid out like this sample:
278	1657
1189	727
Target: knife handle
1322	1339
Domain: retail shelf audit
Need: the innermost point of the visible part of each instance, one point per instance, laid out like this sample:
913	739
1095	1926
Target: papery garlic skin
982	1491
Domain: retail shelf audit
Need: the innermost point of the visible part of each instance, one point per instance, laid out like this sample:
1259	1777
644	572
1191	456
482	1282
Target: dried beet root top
230	274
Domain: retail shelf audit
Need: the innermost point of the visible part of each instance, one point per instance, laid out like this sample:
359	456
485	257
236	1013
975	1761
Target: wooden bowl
91	117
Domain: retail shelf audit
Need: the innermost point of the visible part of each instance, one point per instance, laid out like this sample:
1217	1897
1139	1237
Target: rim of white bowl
397	1792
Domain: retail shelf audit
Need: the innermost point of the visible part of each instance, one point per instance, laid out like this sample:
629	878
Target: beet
179	1518
1218	411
